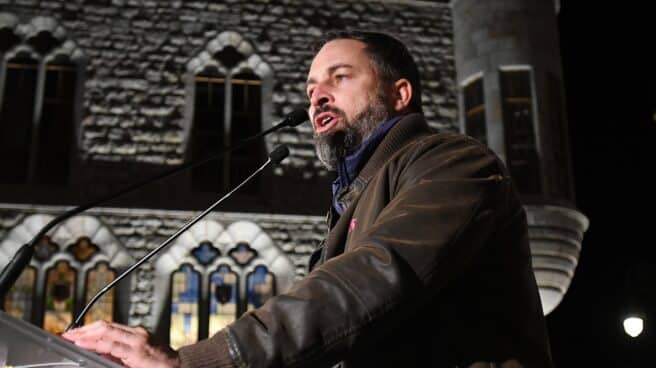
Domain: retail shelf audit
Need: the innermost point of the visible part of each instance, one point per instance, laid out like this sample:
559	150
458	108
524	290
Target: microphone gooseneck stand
21	259
275	157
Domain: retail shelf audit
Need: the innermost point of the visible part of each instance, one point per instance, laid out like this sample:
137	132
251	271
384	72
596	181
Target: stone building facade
136	70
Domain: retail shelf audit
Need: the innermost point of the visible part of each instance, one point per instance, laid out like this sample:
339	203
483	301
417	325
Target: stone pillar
512	47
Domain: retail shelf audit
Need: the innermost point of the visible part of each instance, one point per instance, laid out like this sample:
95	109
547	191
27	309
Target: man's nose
321	97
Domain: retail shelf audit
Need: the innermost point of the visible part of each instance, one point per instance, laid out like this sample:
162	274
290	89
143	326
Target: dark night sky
609	79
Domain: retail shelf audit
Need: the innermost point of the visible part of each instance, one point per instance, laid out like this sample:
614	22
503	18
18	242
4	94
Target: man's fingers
128	344
95	328
101	328
102	345
101	337
137	330
117	350
128	336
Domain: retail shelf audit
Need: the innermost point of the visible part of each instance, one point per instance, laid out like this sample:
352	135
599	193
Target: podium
22	343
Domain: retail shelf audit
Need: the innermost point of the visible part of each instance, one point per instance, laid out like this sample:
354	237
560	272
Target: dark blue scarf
349	167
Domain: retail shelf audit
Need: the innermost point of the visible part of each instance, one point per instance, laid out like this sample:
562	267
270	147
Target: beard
333	146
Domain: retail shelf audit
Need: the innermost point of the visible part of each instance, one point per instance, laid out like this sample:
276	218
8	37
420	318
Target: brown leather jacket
429	266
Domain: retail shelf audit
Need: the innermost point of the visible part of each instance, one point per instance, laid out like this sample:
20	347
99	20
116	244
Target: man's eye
309	93
340	77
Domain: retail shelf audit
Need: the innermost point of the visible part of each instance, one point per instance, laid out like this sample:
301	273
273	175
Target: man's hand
129	345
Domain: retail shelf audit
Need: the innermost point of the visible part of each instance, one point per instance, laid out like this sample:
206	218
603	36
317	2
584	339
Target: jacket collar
405	131
349	167
409	128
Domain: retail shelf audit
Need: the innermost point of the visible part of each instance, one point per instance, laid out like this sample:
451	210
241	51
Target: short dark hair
390	57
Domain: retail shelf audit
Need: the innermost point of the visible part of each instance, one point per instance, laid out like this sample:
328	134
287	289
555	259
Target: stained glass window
59	297
242	253
83	249
185	298
18	301
45	248
205	253
224	298
261	286
98	278
53	288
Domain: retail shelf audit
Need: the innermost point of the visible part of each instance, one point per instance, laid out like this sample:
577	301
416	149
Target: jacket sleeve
446	200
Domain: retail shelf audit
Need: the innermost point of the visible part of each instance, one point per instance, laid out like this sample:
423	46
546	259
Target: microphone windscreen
296	117
279	154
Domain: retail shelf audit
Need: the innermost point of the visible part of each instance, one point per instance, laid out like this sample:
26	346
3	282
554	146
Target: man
426	263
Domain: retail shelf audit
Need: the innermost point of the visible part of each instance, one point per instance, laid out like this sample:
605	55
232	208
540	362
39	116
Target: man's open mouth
324	121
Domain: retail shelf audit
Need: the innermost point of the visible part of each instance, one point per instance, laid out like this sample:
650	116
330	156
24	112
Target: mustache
327	108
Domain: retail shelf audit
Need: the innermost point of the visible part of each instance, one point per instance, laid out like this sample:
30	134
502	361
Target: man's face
347	102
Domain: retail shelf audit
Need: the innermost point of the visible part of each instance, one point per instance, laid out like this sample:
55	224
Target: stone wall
136	53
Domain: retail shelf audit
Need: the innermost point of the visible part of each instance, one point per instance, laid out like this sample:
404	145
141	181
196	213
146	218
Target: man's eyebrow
331	70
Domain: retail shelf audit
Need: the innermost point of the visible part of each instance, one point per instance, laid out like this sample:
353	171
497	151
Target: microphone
22	258
295	118
275	157
279	154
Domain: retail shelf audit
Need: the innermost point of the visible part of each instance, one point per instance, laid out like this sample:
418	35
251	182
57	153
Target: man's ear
401	94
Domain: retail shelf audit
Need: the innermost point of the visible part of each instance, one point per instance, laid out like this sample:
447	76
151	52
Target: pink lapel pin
352	225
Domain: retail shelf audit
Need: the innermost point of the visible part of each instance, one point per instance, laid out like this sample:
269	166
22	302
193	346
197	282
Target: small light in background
639	298
633	325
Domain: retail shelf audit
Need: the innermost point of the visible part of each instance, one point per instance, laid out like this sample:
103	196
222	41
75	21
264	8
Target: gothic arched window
97	278
261	285
20	298
62	279
17	117
40	72
246	122
228	82
226	110
209	130
235	276
59	297
185	300
223	299
56	122
226	296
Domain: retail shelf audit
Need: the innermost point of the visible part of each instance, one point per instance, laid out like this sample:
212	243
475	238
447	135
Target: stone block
196	5
217	8
156	111
134	84
51	5
153	76
145	24
26	3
